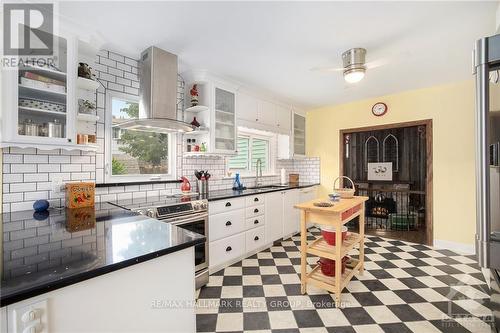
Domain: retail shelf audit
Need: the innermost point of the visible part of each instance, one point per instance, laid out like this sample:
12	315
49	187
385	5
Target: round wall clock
379	109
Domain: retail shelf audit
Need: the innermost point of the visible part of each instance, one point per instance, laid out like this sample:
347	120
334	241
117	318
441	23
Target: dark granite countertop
228	194
42	253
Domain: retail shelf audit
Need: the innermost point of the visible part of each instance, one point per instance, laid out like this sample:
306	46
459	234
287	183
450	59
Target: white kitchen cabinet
274	216
255	239
282	218
283	119
307	194
291	215
43	96
224	125
263	114
226	224
247	107
267	113
299	135
226	250
215	112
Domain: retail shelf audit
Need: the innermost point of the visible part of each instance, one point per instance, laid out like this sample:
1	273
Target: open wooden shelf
321	248
320	280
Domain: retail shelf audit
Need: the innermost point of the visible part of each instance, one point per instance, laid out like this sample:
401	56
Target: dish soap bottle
237	185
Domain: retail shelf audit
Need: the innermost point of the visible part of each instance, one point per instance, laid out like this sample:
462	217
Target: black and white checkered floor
406	287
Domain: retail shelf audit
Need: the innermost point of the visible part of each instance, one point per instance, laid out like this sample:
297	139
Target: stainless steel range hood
158	95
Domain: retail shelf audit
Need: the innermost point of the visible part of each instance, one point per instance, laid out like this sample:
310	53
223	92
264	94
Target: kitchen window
134	155
250	148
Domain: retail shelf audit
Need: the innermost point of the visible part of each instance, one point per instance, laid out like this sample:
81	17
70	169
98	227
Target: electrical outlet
30	318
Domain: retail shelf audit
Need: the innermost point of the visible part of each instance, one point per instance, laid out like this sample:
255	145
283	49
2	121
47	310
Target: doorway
392	165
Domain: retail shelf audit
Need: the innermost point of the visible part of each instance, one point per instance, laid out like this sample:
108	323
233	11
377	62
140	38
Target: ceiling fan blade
326	69
377	63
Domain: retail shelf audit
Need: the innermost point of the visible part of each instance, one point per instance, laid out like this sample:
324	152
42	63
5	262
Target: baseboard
461	248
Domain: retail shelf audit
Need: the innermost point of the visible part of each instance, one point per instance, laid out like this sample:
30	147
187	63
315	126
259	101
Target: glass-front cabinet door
42	97
299	135
225	121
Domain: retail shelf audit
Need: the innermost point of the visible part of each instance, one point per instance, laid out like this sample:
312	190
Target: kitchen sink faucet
258	172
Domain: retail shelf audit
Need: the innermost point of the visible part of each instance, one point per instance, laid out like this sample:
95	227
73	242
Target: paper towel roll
283	176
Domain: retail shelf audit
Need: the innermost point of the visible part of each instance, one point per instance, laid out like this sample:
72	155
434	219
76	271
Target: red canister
328	234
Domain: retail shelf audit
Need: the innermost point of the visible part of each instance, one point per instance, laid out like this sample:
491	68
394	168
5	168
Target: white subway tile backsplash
108	197
71	167
38	195
130	90
49	167
13	178
80	176
36	177
12	197
22	168
124	196
17	206
22	187
115	87
36	159
80	159
12	158
59	159
107	62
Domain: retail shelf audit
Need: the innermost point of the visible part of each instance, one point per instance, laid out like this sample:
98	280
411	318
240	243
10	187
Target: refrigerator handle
482	164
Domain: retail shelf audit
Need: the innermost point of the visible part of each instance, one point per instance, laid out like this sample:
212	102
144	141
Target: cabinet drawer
255	200
255	238
254	222
254	211
226	249
221	206
226	224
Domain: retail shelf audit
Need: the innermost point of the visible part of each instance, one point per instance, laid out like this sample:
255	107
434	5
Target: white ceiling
273	45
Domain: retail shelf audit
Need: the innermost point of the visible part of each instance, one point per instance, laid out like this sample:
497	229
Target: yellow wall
451	107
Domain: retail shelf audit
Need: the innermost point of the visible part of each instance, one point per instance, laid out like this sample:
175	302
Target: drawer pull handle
228	223
256	199
255	210
256	222
228	248
256	238
228	204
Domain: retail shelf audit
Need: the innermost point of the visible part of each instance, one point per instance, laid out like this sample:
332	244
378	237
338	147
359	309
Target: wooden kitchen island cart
337	215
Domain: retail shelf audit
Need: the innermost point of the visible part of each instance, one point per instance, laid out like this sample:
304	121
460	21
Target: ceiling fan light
354	75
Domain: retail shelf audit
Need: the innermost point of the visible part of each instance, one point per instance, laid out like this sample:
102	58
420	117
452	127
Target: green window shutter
240	161
260	149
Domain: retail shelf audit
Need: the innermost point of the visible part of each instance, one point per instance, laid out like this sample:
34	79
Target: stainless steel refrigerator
487	74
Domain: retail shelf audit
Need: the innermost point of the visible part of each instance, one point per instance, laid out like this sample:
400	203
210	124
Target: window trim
108	134
251	134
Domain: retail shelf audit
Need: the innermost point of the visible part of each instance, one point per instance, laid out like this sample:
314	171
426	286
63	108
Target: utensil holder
202	187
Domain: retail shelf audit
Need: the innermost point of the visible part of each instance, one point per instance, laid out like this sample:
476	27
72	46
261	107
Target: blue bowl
40	205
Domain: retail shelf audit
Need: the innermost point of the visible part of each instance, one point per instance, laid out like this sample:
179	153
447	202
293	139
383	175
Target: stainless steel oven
196	223
184	212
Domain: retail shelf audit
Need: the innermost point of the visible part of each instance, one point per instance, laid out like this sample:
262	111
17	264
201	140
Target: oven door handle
184	220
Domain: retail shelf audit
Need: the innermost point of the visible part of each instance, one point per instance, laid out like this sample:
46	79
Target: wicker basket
345	193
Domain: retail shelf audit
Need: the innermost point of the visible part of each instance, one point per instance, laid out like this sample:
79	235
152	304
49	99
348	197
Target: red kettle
185	186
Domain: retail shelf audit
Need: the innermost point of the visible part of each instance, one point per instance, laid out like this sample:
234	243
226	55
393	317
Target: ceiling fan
354	65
